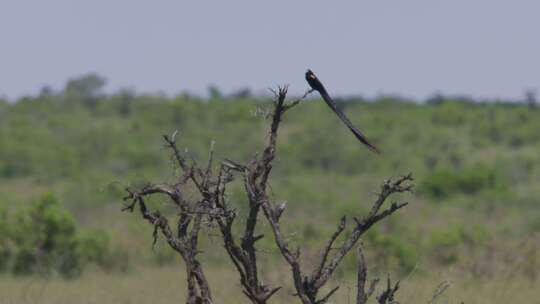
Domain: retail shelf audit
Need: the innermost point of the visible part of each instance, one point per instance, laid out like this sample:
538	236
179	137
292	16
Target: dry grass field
163	285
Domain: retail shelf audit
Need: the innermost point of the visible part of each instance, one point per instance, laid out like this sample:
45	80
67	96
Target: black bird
316	85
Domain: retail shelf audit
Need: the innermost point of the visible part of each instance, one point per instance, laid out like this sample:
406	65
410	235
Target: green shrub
444	183
45	241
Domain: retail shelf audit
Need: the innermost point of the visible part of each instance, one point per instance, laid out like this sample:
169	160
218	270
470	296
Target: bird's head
310	75
313	82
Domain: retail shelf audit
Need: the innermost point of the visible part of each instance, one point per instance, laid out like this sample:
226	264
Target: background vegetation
66	156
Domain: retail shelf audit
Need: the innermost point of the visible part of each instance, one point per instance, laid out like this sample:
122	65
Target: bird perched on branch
316	85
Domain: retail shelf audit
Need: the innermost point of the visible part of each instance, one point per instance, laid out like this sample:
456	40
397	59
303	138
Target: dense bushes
54	137
44	239
444	183
79	142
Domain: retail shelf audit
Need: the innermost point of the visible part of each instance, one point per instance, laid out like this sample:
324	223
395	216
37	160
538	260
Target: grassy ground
158	285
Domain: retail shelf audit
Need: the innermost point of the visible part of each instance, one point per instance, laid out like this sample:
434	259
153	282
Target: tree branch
328	247
361	295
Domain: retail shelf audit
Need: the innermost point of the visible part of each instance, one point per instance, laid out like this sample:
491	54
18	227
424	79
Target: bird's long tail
330	102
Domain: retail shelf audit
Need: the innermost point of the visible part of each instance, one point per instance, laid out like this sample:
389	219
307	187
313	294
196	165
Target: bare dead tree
256	179
212	207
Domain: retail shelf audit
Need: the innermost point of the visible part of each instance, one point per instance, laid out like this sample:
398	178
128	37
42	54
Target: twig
295	102
441	288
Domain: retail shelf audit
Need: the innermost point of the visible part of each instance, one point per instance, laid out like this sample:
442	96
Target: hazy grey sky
485	48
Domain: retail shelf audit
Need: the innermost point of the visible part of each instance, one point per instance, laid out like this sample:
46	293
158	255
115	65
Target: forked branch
307	287
184	242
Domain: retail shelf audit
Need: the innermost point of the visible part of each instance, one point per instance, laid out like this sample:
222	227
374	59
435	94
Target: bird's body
316	85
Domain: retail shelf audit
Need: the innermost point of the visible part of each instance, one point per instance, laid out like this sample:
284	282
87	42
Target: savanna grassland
473	221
